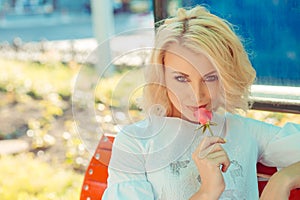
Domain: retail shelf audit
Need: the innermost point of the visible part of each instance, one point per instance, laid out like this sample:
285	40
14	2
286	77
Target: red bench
96	174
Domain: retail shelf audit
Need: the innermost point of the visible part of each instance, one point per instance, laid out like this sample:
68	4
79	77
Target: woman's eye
181	78
211	78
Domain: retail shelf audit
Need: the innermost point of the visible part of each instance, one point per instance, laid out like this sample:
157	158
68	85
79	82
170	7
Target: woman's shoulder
237	118
152	125
155	132
147	128
249	124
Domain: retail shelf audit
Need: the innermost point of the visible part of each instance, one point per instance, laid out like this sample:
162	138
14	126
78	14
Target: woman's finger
208	141
210	149
216	154
219	158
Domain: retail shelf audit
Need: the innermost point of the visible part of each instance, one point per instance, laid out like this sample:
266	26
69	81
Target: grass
121	89
35	79
24	177
49	87
27	176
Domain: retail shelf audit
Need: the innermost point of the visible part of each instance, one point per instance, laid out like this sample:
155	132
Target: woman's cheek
216	99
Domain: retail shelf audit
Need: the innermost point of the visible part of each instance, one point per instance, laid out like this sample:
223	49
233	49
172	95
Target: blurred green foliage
276	118
25	177
35	79
37	96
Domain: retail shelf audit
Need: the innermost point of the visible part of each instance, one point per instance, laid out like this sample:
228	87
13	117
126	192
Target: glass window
270	30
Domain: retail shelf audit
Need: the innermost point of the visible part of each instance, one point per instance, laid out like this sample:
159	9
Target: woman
199	63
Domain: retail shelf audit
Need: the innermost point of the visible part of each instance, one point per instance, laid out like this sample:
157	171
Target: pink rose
204	116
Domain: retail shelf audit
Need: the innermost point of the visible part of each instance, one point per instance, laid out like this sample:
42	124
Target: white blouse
152	159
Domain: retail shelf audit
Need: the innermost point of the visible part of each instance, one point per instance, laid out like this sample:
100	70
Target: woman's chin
191	119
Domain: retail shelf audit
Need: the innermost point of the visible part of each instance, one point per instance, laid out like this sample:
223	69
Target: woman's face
191	81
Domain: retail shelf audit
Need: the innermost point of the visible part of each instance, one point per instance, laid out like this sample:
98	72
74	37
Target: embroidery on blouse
232	195
199	178
176	166
237	170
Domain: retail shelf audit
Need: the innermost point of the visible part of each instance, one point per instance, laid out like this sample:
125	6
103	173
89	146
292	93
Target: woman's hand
208	157
282	182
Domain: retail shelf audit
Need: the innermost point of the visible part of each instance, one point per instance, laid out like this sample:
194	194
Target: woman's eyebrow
210	73
177	72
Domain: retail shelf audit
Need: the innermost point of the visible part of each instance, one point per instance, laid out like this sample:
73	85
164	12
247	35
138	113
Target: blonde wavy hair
200	31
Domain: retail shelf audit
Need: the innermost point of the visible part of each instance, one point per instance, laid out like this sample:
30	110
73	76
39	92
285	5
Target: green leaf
211	133
204	128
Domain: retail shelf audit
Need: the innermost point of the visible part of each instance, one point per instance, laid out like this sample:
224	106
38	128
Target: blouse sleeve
283	148
127	177
127	186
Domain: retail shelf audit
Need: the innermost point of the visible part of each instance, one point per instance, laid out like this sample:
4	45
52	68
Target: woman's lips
203	106
195	108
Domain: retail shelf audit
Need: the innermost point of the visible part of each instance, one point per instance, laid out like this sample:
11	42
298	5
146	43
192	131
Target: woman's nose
200	91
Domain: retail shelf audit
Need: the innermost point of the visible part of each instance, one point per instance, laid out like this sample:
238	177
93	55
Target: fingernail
225	140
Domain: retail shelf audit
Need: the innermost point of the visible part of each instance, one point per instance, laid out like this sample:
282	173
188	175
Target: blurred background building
35	20
71	28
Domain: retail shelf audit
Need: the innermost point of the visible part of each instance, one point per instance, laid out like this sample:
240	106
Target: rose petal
203	115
